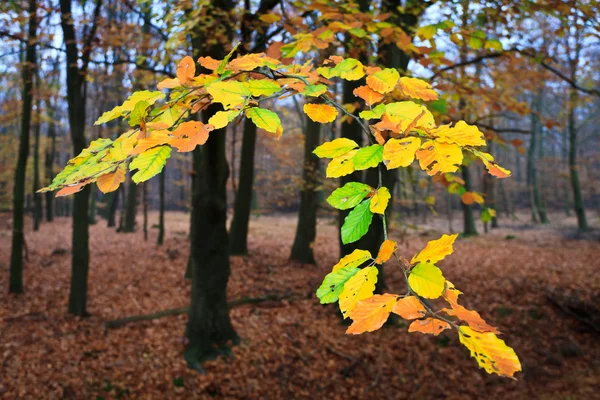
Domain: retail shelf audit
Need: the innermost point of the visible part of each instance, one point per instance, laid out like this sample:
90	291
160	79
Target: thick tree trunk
243	198
76	82
145	209
93	204
161	208
18	237
469	228
209	330
306	229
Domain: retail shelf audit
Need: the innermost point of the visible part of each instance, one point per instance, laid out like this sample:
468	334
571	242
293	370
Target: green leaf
493	44
335	148
439	105
427	280
357	223
333	284
221	67
349	195
368	157
129	105
265	119
375	113
262	87
140	111
315	90
350	69
149	163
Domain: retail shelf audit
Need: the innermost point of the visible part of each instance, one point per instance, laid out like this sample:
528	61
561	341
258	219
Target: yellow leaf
491	353
341	166
417	89
380	200
432	326
426	280
436	250
110	182
437	157
168	83
409	114
360	286
383	81
222	118
400	152
270	18
322	113
370	314
186	69
386	250
228	93
335	148
492	167
354	259
461	134
409	307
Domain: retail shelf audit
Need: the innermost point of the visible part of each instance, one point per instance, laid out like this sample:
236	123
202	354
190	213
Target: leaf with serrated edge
335	148
368	157
354	259
333	284
349	195
409	307
149	163
436	250
386	250
359	287
370	314
491	353
380	200
432	326
356	224
341	166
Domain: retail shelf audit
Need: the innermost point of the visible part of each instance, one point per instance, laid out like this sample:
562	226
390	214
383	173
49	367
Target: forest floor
539	285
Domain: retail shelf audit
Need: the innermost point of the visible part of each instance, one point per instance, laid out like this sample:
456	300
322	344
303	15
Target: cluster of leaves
403	130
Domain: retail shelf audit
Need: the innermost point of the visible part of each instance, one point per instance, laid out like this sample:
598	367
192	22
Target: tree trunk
573	170
76	87
469	228
145	209
209	330
243	198
37	197
49	163
112	207
93	203
161	208
18	237
531	173
306	229
130	207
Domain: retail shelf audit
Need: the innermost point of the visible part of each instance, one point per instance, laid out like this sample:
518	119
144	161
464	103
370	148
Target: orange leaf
156	138
471	197
190	134
368	95
370	314
451	293
432	326
209	63
71	189
186	69
110	182
322	113
385	251
471	317
409	308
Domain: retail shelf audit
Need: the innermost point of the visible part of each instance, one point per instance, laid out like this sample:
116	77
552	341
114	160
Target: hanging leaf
265	119
370	314
383	81
409	113
380	200
333	284
417	89
370	96
437	157
359	287
375	113
471	197
386	250
491	353
314	90
436	250
186	69
341	166
368	157
426	280
335	148
461	134
409	307
432	326
149	163
262	87
349	69
349	195
356	223
110	182
154	139
221	118
354	259
322	113
400	152
228	93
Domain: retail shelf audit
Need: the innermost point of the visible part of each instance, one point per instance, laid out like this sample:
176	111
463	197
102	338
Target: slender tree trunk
145	208
531	172
18	237
130	207
306	229
37	197
469	228
76	87
209	330
49	163
573	169
243	198
93	204
161	208
112	207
